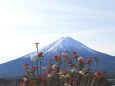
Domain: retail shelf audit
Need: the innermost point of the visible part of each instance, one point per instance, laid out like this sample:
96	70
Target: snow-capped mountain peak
57	48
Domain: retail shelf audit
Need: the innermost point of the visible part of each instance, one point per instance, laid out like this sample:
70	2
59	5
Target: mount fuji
15	69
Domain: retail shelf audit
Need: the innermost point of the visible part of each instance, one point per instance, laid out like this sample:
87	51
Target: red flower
70	61
81	60
75	65
88	68
22	84
57	67
50	69
58	60
66	51
88	61
26	64
47	72
75	56
64	68
44	79
38	76
50	59
97	78
74	53
36	43
31	83
103	71
95	57
98	73
57	56
65	56
24	76
40	54
34	67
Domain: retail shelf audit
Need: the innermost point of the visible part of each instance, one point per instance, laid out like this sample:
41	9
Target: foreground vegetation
64	73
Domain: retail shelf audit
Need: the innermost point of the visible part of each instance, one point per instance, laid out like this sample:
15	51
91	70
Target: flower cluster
66	71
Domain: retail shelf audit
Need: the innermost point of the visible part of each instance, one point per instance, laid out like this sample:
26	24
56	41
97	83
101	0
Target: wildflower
58	60
67	84
24	76
98	73
72	70
95	57
88	69
47	72
38	76
40	54
74	53
97	78
70	61
103	71
25	79
62	76
31	83
82	72
51	69
67	75
53	66
44	67
36	43
44	79
75	65
34	67
26	64
50	59
49	75
22	84
33	58
57	56
26	68
80	59
61	73
88	61
56	67
66	51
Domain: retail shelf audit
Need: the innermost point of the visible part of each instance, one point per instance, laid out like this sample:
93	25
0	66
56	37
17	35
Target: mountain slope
15	68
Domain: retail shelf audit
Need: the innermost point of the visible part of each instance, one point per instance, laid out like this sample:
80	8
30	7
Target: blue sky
24	22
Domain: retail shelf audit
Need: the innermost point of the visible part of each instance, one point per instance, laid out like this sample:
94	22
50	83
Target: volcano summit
15	68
